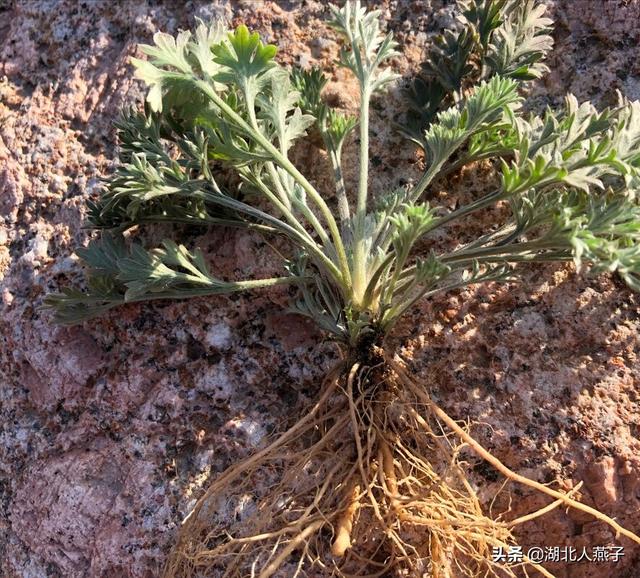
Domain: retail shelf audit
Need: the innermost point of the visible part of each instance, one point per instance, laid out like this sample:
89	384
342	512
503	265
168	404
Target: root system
368	483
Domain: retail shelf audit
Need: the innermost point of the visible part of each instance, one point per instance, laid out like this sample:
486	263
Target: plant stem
505	231
504	251
304	240
548	257
341	192
476	205
467	158
106	303
229	287
286	211
359	257
426	179
189	221
344	279
271	169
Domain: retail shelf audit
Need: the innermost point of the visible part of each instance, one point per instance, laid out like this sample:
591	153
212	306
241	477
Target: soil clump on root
369	483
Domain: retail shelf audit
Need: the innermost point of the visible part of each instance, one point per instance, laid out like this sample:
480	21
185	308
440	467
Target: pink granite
109	430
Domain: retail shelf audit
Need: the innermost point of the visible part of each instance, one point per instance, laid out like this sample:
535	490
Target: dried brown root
365	484
344	526
209	543
561	498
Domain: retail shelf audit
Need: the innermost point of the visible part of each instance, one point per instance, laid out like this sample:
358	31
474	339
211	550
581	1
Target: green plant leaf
212	148
367	48
205	38
486	105
279	108
521	42
580	147
504	37
243	58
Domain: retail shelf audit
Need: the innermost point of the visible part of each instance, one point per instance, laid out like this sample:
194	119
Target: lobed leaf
521	42
245	60
578	147
485	106
367	47
498	37
279	108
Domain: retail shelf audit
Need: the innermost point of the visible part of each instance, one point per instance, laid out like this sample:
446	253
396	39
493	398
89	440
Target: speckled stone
109	430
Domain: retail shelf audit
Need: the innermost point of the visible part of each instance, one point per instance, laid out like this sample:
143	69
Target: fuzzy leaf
410	223
485	106
244	57
309	84
280	110
103	255
521	42
367	47
206	37
580	147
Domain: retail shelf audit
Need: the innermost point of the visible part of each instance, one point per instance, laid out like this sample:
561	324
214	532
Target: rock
110	430
601	479
11	196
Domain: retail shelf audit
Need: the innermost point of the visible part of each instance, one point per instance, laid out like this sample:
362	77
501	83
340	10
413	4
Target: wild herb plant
363	471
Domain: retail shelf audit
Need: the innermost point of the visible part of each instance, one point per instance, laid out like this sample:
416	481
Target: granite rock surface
110	430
